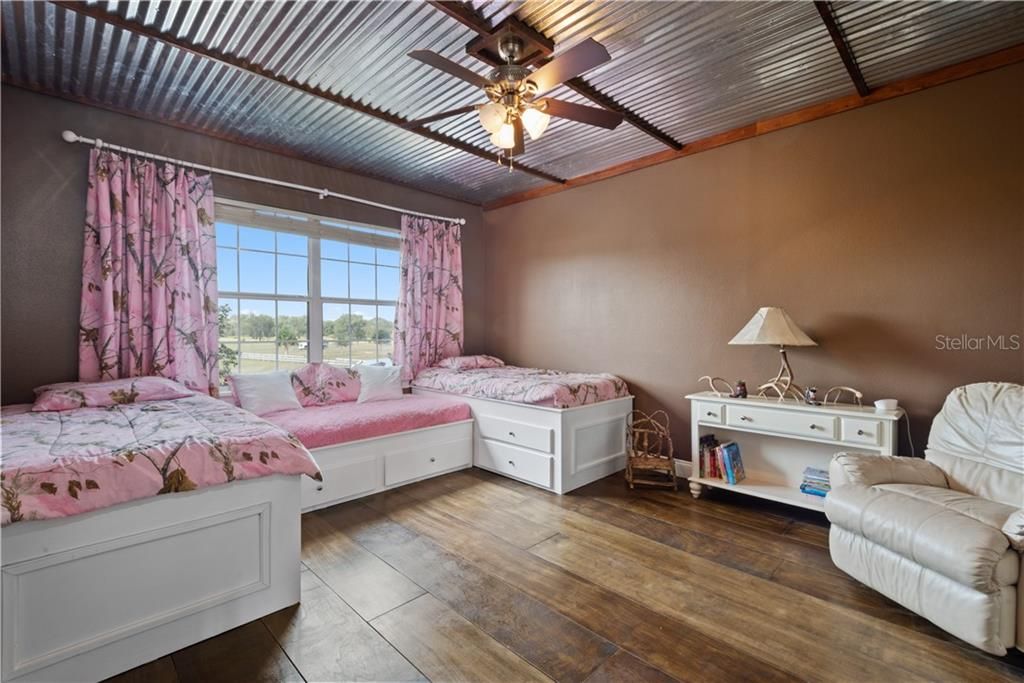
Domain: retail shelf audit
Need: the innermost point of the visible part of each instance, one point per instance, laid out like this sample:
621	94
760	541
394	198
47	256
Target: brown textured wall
876	229
43	183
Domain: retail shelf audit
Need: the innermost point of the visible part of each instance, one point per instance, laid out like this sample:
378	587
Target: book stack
815	482
708	459
721	460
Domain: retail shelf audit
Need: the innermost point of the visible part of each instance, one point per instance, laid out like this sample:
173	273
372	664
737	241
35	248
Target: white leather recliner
943	536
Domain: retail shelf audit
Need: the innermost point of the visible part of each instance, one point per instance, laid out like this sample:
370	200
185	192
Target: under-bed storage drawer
514	461
416	463
342	480
515	432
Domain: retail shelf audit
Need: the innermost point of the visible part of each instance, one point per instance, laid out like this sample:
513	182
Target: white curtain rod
71	136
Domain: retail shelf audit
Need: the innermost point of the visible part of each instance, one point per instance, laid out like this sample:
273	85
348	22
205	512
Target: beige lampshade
774	327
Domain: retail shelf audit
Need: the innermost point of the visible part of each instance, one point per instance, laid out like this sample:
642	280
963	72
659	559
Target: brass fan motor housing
509	73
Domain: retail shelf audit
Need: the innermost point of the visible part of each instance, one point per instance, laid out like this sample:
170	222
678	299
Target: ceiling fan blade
520	138
416	123
448	66
570	64
592	116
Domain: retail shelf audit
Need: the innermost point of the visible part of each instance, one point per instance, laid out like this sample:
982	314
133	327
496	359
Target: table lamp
773	327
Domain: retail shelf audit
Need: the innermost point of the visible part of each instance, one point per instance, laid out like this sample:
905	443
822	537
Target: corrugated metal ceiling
692	69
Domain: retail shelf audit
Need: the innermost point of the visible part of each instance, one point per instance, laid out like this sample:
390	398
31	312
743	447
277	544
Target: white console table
778	440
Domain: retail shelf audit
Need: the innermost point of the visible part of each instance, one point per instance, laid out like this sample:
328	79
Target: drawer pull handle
433	460
320	487
710	414
814	426
512	434
860	432
510	462
745	418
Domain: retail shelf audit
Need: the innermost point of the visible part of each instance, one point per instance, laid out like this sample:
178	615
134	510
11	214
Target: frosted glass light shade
505	137
492	116
772	327
535	122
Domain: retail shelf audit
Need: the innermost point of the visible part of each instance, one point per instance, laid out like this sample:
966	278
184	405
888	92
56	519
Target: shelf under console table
777	440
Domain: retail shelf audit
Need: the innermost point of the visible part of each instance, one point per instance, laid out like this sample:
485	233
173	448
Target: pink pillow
71	395
471	362
321	384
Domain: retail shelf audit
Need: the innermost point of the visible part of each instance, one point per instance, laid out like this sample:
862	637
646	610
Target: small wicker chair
649	460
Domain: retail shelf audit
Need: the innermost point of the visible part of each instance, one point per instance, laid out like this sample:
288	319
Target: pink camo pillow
321	384
471	362
71	395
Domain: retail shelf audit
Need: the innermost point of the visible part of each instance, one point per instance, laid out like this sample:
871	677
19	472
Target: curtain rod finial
69	136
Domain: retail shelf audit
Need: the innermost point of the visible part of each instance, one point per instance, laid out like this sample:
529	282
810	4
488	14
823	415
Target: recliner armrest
869	469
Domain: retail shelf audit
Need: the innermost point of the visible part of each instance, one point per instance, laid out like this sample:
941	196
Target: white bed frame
557	449
93	595
360	468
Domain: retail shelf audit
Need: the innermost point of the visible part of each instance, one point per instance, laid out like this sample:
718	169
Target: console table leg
696	489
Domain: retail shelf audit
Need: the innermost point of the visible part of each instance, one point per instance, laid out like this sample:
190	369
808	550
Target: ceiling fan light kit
514	90
492	116
505	138
535	122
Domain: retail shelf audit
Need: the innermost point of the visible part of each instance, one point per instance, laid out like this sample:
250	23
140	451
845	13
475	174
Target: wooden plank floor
474	577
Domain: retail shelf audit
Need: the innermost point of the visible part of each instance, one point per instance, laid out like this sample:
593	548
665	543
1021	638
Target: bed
102	570
364	448
533	386
552	429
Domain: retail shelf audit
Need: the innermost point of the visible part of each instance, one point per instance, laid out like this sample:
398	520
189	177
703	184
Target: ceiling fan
514	92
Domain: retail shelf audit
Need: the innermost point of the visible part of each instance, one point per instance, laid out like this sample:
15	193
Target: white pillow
379	382
265	393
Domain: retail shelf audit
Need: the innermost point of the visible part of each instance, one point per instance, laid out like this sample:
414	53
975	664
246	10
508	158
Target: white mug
886	404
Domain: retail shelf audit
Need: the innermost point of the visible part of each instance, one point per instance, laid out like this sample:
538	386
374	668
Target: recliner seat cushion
988	512
928	532
979	478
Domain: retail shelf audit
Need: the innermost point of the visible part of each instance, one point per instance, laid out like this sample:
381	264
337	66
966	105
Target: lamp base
782	385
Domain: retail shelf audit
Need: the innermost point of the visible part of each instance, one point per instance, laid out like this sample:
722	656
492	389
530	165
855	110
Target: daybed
363	448
102	573
555	430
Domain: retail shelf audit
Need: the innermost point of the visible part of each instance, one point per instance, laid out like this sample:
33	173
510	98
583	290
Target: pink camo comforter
525	385
329	425
62	463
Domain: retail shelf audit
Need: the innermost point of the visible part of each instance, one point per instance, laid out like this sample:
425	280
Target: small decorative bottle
741	390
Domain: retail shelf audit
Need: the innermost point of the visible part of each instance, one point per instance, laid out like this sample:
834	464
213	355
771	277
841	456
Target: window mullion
238	283
315	313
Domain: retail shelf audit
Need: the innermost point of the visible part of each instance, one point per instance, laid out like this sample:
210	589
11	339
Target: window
296	288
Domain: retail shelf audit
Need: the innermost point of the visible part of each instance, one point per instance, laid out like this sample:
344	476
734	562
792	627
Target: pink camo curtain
428	322
149	275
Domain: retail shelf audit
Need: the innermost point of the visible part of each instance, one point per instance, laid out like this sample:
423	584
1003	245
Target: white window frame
314	227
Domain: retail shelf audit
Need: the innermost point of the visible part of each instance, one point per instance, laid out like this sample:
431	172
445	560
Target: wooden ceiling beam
137	28
476	21
828	16
906	86
464	14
